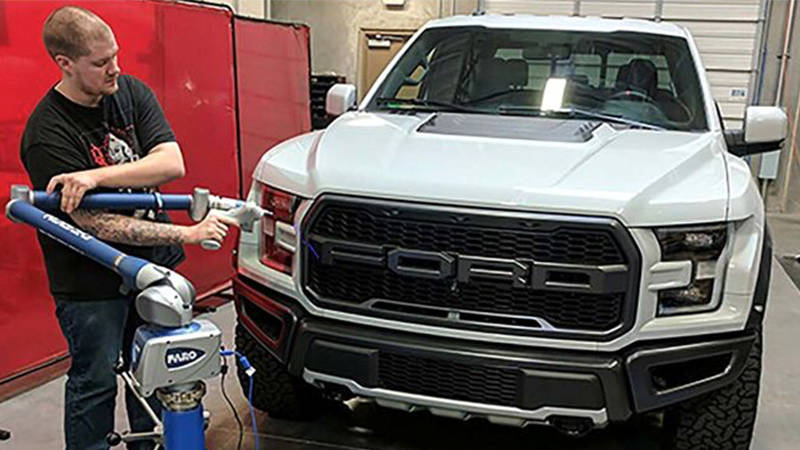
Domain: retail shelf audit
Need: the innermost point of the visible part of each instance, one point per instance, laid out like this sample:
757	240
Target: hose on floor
249	370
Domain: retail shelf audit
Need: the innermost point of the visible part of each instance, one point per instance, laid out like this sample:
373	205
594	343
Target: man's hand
162	164
212	227
73	186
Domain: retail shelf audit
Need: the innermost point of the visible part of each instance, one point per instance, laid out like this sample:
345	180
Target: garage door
728	33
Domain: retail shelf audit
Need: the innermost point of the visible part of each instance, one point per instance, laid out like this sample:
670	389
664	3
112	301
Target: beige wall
249	8
782	196
335	26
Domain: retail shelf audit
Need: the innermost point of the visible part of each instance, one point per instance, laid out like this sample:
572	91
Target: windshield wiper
611	118
577	112
432	104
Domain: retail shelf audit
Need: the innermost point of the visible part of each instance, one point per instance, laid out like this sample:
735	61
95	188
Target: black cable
224	371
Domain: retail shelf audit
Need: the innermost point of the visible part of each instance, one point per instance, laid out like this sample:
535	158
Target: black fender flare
759	307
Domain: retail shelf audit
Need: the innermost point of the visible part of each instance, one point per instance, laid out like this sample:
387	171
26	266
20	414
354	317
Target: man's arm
163	163
128	230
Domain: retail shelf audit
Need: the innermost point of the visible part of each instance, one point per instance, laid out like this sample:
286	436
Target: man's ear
64	63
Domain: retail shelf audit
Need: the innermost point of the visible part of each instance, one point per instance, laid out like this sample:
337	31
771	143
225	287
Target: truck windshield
627	78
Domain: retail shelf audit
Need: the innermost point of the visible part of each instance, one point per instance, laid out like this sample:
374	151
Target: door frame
361	73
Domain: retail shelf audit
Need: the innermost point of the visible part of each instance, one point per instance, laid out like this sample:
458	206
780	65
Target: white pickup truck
532	220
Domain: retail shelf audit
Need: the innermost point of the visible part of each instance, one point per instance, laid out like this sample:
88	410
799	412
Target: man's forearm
128	230
164	163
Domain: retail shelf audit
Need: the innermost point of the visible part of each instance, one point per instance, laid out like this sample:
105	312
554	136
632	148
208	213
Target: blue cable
252	414
249	371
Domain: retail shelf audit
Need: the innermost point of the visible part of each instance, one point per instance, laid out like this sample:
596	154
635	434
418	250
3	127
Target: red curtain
185	53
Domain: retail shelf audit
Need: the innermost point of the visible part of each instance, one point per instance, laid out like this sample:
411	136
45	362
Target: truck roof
567	23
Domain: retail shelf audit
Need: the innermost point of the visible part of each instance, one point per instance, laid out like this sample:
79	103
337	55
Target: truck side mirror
764	124
340	99
764	131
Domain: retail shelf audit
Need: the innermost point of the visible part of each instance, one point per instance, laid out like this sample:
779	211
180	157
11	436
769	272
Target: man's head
84	48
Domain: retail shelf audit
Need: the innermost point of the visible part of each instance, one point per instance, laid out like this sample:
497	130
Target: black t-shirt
62	136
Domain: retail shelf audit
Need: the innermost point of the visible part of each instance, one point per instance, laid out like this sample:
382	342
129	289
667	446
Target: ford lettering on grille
465	268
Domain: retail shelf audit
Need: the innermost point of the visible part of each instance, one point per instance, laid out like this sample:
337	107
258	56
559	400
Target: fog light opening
269	324
667	377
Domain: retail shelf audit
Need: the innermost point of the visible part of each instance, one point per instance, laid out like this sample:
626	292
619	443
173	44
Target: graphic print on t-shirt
117	148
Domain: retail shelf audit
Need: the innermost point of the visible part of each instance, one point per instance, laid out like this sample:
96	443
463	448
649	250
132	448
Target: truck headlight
703	245
278	237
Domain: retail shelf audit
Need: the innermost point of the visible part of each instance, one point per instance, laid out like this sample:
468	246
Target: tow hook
572	426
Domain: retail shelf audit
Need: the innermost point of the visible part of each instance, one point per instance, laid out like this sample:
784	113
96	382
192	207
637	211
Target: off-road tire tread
275	391
721	420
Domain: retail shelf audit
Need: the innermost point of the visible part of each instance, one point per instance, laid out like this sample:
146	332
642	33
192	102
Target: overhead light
379	43
394	2
553	94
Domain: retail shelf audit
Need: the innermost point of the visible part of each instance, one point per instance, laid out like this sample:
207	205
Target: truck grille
570	246
448	379
478	269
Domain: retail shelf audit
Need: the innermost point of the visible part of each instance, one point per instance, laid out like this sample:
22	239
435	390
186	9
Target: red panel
274	95
184	52
198	96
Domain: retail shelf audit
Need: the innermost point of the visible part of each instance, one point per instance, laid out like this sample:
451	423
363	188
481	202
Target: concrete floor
34	418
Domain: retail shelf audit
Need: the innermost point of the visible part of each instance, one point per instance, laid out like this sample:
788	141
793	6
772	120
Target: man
99	130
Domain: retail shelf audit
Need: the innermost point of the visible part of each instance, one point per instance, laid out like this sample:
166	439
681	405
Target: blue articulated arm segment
119	202
80	241
183	430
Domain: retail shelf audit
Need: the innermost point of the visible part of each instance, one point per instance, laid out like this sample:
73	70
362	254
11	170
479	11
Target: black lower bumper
644	377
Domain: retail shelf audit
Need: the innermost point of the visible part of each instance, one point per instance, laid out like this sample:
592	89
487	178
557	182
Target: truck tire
275	391
721	420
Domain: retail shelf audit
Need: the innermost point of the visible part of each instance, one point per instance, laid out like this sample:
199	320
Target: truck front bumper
505	384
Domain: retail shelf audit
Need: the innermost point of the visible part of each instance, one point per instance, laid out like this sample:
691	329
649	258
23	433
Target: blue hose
249	370
252	413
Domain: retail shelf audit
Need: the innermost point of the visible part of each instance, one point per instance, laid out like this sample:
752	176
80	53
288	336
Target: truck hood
642	177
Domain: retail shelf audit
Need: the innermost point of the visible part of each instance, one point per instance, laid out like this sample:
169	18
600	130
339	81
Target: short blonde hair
69	30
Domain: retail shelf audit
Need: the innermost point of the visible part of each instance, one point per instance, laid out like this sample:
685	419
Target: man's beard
109	90
104	89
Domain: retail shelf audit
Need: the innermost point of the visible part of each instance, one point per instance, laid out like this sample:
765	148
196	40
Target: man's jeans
96	332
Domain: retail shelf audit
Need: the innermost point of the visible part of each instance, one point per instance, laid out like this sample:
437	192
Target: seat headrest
491	76
516	72
639	75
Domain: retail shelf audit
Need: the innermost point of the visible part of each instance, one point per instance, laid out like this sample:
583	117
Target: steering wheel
684	109
632	94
